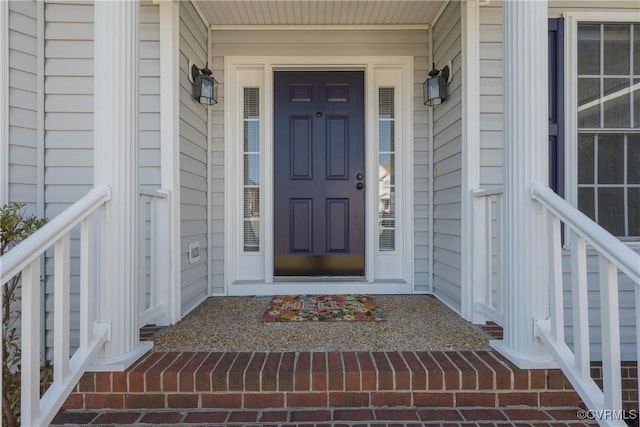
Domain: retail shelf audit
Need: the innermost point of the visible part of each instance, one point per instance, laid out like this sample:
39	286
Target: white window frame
249	273
572	19
252	262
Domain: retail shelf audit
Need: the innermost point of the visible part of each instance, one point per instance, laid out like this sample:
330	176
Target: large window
609	126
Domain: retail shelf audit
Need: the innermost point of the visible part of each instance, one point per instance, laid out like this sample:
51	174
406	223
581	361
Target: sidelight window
251	166
386	169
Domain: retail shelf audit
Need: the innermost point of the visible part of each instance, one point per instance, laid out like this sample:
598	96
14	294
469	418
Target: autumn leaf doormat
322	308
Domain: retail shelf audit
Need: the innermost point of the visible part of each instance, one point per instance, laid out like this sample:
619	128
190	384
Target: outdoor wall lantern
205	86
435	87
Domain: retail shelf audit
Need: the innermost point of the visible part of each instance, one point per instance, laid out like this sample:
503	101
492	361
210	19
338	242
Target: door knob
359	186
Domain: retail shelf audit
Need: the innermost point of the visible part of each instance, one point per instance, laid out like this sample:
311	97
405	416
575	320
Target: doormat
323	308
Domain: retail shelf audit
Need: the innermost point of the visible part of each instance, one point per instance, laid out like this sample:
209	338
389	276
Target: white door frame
251	273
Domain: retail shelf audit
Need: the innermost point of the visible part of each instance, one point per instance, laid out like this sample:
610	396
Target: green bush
15	226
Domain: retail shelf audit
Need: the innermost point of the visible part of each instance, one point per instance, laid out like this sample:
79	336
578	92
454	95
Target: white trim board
470	148
209	174
268	27
312	287
431	176
170	147
252	273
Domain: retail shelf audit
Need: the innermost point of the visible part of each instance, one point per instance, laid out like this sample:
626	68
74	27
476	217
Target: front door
319	197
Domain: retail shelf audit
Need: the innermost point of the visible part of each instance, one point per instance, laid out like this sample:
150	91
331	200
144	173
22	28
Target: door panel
301	148
301	225
319	193
337	147
337	225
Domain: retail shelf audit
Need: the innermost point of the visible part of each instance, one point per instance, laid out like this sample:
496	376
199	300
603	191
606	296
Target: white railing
488	283
614	256
153	229
25	258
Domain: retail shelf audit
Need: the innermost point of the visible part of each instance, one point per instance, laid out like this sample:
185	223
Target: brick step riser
344	416
333	399
324	380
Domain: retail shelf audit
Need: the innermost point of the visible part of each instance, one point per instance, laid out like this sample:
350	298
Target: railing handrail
604	242
33	246
486	192
160	193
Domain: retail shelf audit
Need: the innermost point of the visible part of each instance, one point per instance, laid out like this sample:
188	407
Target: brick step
255	380
344	416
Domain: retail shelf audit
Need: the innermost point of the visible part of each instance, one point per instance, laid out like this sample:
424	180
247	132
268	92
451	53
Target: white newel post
116	164
526	161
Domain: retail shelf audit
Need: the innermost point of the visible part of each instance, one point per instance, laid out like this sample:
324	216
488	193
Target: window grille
609	126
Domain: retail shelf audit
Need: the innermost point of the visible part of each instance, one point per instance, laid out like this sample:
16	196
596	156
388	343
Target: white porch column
526	161
116	164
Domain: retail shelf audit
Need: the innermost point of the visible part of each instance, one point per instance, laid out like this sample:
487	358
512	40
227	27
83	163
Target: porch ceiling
319	12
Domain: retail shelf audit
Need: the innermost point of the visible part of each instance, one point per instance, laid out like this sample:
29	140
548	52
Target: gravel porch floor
414	322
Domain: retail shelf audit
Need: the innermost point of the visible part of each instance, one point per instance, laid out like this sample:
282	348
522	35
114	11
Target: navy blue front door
319	221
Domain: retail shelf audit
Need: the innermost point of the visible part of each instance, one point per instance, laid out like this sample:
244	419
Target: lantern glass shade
205	89
435	90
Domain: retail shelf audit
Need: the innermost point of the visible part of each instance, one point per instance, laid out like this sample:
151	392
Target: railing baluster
30	381
86	282
488	234
555	279
480	285
580	305
610	334
500	254
61	309
162	264
153	252
142	237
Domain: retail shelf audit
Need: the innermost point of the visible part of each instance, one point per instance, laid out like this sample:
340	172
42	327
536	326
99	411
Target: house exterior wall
492	142
193	160
326	43
68	130
421	172
149	96
491	118
23	102
447	162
